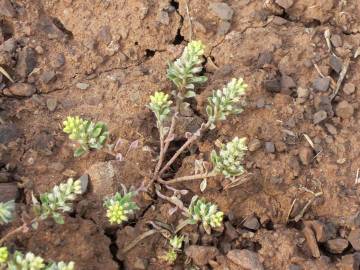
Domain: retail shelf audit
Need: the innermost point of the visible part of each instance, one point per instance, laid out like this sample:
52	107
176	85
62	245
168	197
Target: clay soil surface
101	60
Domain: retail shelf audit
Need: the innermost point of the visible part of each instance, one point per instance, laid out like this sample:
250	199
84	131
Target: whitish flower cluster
88	134
6	211
184	71
175	246
206	213
229	160
29	261
118	207
226	101
160	105
58	201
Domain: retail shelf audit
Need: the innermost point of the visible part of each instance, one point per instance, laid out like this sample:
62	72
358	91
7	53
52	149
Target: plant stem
189	141
189	178
16	231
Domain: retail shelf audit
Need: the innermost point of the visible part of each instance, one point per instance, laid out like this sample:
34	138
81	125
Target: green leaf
79	152
58	218
190	94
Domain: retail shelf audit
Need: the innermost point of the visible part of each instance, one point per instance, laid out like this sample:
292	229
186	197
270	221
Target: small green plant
6	211
175	247
205	213
87	134
19	261
57	201
119	207
229	160
226	102
184	71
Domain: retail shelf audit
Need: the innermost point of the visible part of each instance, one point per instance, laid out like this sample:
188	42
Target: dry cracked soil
102	59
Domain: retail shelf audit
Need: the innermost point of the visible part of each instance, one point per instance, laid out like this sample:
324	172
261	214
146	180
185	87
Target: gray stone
51	104
230	231
336	63
48	76
104	34
252	223
285	3
26	62
264	58
201	255
269	147
246	259
20	89
337	246
6	9
287	83
102	178
84	181
319	117
331	129
222	10
82	86
223	28
344	110
9	45
48	26
164	17
59	60
349	88
336	40
321	84
8	132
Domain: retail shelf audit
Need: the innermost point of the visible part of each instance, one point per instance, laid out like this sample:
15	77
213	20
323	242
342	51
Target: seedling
119	207
175	247
6	211
87	134
51	204
19	261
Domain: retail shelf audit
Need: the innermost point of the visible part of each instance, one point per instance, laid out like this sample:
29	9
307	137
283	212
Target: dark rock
321	84
349	88
6	9
311	241
306	155
264	58
20	89
319	117
9	45
26	62
285	3
223	28
354	239
201	255
337	246
350	262
104	34
323	231
344	110
336	63
287	83
48	76
336	40
273	85
48	26
331	129
254	145
59	61
51	104
324	103
44	142
8	133
230	231
222	10
269	147
8	191
252	223
84	180
246	259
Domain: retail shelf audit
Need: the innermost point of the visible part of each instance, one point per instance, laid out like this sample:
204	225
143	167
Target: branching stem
22	228
188	178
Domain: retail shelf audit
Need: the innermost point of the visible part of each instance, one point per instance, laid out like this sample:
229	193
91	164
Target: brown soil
121	49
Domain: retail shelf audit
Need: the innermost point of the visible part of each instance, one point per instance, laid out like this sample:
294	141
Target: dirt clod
306	155
354	239
222	10
20	90
6	8
344	110
246	259
201	255
337	246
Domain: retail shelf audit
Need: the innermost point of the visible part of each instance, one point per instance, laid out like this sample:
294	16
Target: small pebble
269	147
344	110
51	104
336	40
336	63
349	88
319	117
321	84
82	86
